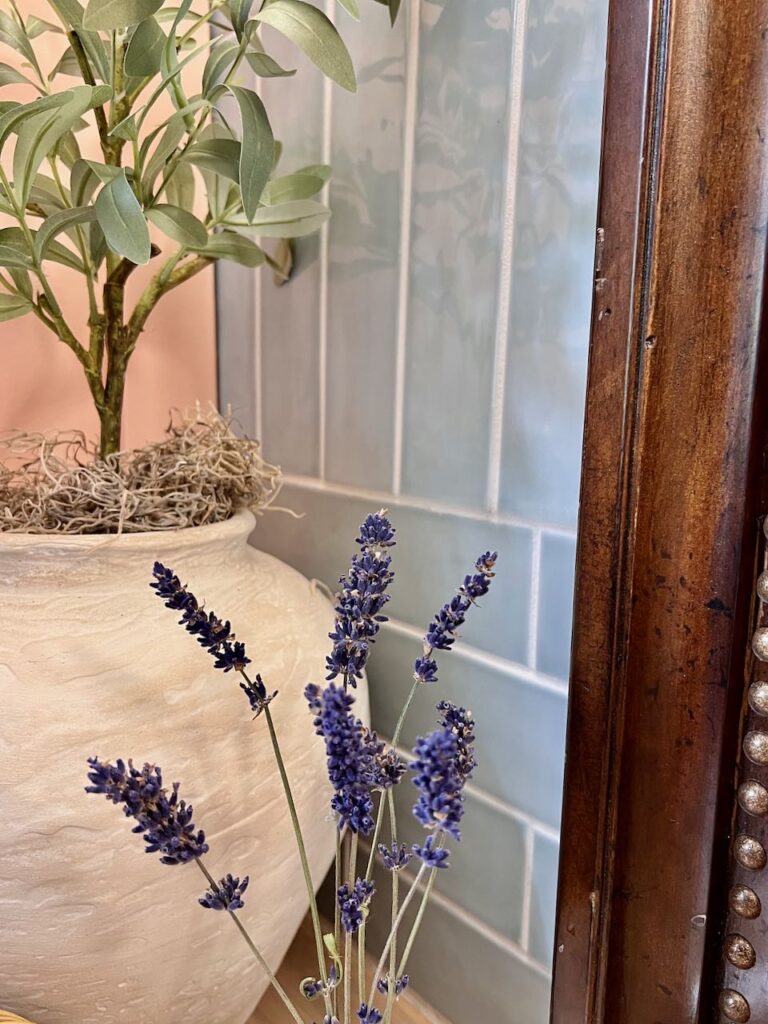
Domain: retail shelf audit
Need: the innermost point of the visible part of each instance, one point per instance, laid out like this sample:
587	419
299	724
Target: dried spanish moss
200	473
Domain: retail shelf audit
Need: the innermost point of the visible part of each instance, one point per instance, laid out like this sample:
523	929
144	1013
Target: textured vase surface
92	929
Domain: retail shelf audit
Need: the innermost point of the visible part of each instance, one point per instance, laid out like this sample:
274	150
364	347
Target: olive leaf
257	149
121	218
178	224
315	34
145	50
107	15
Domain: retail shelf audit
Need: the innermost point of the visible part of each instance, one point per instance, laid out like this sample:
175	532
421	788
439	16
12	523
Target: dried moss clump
200	473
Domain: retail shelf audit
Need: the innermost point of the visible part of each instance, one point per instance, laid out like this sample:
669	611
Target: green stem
417	922
393	975
302	853
348	936
255	950
398	921
375	838
403	713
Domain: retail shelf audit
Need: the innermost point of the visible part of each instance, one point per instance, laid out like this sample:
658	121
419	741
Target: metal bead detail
749	852
745	902
753	797
756	747
740	952
734	1006
758	697
760	644
762	586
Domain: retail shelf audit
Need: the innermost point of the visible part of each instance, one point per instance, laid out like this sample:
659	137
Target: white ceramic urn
92	929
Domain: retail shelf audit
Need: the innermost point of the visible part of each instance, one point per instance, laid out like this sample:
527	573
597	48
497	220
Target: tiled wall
430	356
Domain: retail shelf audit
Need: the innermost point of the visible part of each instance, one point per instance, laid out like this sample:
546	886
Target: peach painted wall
41	383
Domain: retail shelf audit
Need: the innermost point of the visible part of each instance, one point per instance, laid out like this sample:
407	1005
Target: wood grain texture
668	518
298	964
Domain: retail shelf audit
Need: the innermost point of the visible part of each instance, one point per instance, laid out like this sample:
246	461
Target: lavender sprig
353	903
401	984
360	602
368	1014
394	857
443	761
212	633
163	819
443	629
226	894
349	755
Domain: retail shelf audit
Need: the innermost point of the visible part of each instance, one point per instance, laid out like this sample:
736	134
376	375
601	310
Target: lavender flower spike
226	894
368	1014
443	761
349	755
361	600
212	634
353	904
443	630
165	821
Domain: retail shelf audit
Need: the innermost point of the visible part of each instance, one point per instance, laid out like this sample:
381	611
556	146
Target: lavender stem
398	920
393	976
255	950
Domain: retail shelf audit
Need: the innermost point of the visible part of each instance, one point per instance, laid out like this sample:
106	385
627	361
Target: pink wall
41	383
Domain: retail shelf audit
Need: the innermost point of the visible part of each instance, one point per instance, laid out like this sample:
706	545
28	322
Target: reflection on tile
236	356
433	555
487	865
553	644
363	254
456	228
520	728
289	321
463	973
553	257
543	899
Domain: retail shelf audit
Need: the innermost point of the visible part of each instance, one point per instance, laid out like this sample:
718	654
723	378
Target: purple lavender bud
433	856
226	894
348	753
440	804
389	769
361	600
443	630
212	634
401	984
368	1015
257	695
394	857
165	821
459	721
353	904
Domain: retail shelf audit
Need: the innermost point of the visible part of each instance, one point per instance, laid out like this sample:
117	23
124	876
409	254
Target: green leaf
12	306
37	27
39	134
220	60
127	129
394	8
257	150
238	13
10	76
144	55
22	280
178	224
71	12
166	146
290	187
122	220
265	66
107	15
315	34
12	257
351	7
67	149
222	156
83	182
14	36
180	190
228	245
290	220
55	251
59	222
67	64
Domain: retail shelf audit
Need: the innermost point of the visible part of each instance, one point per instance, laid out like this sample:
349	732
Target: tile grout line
525	924
477	925
534	599
322	330
379	498
406	208
501	347
532	825
523	673
258	394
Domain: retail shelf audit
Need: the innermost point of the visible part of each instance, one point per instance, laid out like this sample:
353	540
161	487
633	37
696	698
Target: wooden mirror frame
673	491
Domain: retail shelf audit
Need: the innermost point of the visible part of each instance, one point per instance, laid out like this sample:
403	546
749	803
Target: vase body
92	928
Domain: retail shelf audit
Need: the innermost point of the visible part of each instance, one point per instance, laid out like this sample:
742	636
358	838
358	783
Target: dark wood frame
671	501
